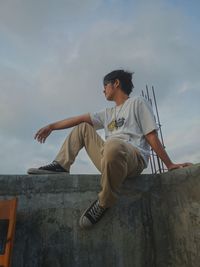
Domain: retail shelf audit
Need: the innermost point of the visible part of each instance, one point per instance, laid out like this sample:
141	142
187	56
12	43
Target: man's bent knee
83	126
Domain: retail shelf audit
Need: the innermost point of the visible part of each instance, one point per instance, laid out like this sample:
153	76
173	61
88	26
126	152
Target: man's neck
121	99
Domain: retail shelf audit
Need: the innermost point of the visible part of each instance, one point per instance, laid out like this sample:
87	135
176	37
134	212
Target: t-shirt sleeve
98	119
145	116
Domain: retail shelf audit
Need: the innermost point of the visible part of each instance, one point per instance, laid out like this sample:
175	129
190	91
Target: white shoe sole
38	171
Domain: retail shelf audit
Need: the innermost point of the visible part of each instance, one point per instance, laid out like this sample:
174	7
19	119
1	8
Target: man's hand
177	166
155	143
43	133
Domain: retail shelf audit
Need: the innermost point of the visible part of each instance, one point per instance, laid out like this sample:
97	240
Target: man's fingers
178	166
39	138
36	136
42	135
42	139
187	164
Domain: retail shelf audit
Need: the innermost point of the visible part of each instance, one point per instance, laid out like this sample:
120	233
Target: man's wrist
169	164
51	127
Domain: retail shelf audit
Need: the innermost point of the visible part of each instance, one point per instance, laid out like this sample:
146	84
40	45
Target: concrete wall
156	222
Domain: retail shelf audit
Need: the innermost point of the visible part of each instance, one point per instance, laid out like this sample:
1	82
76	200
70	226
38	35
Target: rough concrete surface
156	222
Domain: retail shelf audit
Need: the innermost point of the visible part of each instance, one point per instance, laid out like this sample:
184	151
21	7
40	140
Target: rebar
156	165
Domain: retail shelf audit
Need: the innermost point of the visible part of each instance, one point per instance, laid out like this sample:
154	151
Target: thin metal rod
153	159
156	163
158	116
159	166
151	164
142	93
163	167
147	93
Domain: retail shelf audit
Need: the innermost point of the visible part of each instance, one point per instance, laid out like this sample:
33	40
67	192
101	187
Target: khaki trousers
114	158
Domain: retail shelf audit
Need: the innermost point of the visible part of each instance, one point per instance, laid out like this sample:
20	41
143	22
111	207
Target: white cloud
33	17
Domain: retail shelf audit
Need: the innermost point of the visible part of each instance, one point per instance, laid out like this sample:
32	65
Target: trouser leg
119	160
115	159
83	135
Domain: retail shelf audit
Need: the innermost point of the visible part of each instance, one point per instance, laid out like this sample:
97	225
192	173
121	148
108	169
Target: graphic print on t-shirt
115	124
120	122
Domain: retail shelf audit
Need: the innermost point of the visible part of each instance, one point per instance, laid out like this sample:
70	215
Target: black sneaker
92	215
51	168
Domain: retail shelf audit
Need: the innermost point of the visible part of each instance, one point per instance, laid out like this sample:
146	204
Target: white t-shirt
130	122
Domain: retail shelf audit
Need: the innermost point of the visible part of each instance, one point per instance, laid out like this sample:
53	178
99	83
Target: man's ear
117	83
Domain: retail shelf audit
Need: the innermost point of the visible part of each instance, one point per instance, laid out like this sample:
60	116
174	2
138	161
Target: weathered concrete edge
37	184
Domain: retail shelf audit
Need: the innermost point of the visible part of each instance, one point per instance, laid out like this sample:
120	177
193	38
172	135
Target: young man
130	130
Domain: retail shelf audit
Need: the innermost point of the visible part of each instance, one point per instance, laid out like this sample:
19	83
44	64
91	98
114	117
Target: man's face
109	90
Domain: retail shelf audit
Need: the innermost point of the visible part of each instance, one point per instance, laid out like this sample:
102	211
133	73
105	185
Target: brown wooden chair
8	210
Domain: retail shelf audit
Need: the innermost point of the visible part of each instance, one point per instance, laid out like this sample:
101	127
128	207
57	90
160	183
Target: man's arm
156	145
44	132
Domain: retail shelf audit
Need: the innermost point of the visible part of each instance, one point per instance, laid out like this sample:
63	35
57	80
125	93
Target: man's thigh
134	162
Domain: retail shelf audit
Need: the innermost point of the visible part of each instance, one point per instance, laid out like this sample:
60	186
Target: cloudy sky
54	54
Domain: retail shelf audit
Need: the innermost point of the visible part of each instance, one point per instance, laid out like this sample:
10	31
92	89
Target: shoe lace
96	211
50	166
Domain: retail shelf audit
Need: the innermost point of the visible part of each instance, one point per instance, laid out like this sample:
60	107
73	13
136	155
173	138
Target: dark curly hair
124	77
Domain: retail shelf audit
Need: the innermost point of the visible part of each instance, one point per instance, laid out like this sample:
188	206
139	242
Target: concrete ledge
155	223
